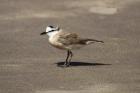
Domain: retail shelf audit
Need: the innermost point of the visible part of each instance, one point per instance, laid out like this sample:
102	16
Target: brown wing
68	38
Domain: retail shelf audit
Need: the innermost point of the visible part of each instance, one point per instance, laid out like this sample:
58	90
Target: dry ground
28	64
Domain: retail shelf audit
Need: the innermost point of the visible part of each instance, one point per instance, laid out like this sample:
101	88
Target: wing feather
68	38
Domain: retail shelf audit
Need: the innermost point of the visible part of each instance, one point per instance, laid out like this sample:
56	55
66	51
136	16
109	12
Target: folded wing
68	38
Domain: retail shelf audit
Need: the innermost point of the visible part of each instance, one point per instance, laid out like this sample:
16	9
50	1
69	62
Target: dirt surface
28	64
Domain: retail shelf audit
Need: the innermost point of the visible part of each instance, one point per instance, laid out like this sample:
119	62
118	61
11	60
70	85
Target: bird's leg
71	55
66	62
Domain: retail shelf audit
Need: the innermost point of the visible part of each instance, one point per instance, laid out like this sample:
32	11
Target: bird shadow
61	64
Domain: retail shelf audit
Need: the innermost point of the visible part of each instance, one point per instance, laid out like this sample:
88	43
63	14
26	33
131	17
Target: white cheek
51	33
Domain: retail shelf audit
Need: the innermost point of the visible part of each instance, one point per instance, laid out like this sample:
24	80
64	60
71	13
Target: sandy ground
28	64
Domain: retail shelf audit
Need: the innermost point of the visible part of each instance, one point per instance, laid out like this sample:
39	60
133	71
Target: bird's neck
51	34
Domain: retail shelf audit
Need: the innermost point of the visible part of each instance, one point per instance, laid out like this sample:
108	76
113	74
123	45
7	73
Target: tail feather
90	41
94	40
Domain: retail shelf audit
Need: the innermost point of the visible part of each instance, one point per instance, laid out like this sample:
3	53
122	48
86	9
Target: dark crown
51	26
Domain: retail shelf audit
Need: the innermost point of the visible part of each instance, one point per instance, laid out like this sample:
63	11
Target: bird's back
64	40
67	40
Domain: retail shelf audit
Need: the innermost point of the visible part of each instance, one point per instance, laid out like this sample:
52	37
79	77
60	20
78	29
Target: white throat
50	34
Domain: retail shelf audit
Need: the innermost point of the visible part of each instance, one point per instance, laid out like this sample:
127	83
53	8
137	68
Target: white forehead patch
48	28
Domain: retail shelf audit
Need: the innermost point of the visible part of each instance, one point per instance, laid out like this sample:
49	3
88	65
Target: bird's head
50	29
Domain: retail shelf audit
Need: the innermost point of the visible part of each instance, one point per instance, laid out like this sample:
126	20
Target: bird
66	41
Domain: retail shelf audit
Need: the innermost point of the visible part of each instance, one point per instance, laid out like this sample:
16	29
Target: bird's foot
66	65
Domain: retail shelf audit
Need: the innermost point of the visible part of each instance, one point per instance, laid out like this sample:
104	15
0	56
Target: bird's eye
51	31
51	26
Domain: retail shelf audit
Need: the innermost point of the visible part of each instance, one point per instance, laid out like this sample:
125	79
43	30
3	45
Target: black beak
43	33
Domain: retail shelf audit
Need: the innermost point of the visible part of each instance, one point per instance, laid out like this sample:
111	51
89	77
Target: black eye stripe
51	31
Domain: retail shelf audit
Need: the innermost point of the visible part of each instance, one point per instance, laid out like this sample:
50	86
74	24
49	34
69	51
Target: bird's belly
56	44
59	45
74	46
66	47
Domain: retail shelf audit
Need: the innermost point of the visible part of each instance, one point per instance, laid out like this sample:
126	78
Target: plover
66	41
